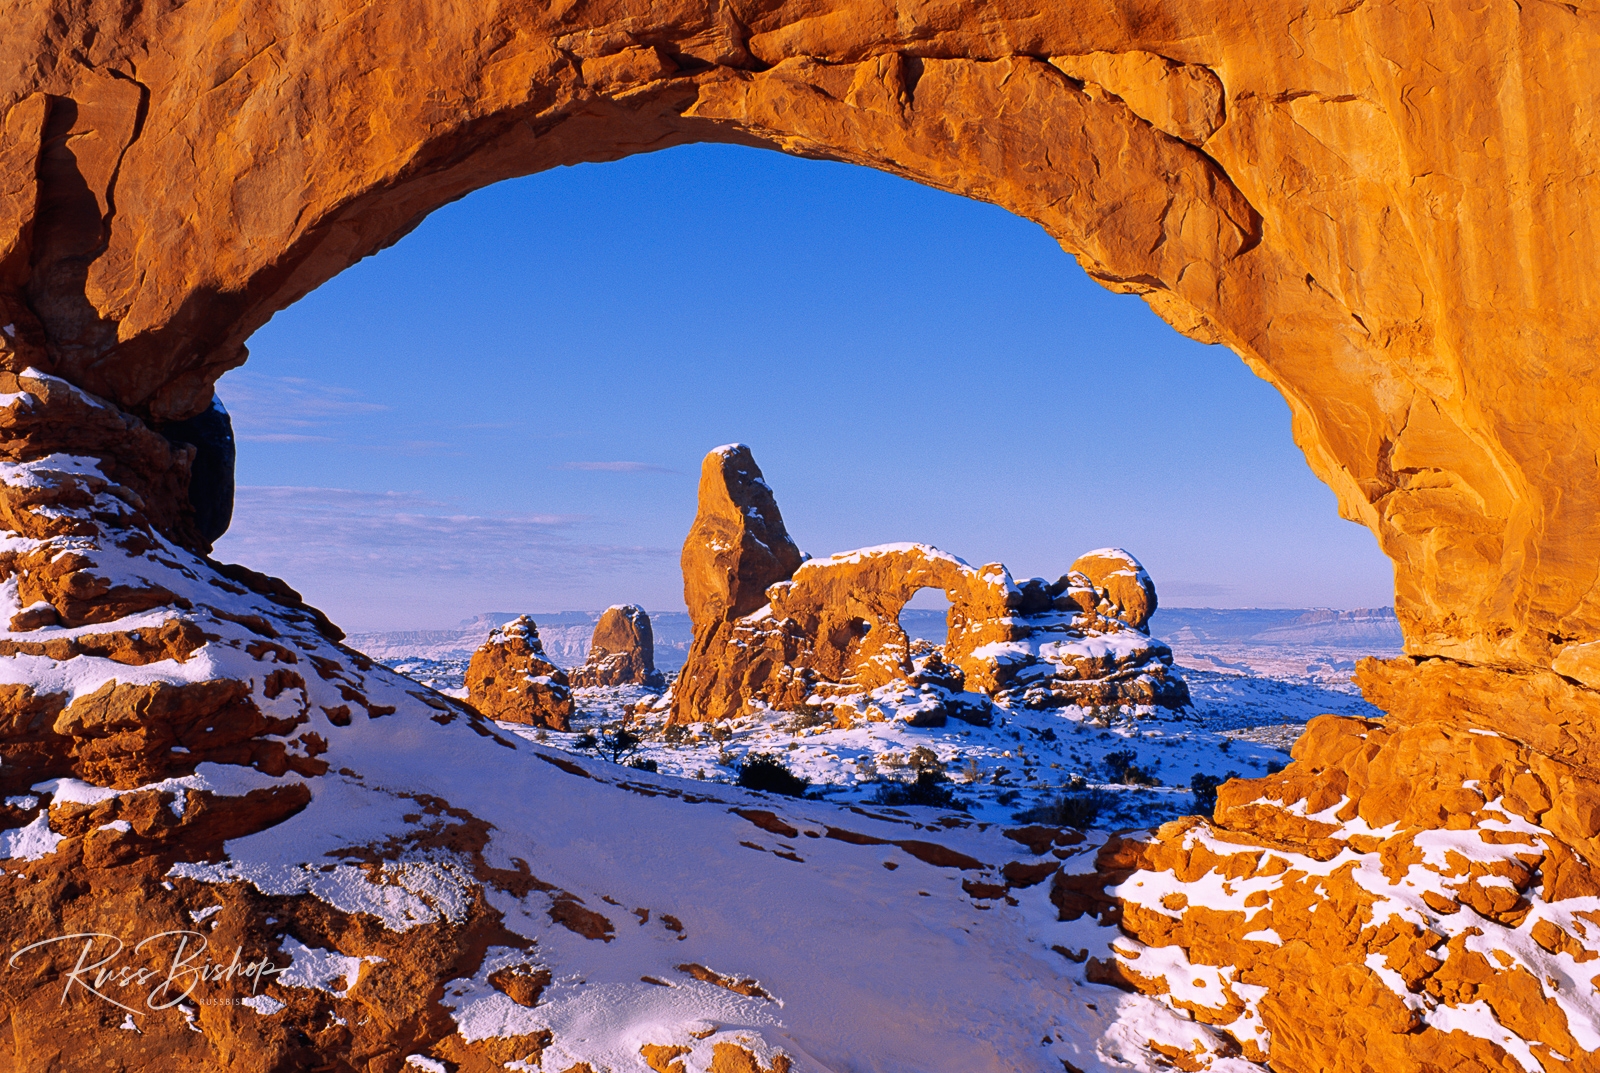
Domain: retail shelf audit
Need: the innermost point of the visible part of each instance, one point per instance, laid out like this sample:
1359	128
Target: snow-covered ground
711	923
1028	759
1256	677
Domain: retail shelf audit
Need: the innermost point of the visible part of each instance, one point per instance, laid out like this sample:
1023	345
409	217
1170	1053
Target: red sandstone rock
737	545
832	630
509	678
1122	582
149	223
621	652
1370	820
1381	208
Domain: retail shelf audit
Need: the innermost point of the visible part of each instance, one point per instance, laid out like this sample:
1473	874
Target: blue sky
507	410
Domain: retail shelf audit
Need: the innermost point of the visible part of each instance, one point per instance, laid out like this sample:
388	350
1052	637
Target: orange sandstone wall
1387	210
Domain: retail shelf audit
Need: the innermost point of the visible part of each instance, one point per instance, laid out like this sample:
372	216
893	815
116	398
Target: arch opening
1151	177
926	617
982	313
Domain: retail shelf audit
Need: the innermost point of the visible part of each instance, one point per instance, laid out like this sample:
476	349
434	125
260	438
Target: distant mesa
622	651
509	678
773	628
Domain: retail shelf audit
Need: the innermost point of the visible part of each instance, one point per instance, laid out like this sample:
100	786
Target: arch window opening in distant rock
926	616
505	410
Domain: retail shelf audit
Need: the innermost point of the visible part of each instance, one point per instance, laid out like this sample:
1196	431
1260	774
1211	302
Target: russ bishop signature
100	967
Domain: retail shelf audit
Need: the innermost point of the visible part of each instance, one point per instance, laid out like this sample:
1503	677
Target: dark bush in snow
763	771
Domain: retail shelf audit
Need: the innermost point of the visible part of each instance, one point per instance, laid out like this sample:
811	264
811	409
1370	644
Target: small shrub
1097	716
642	763
1226	746
674	734
1118	762
929	789
614	743
763	771
1078	809
1273	767
807	716
923	759
1121	766
1007	798
1204	788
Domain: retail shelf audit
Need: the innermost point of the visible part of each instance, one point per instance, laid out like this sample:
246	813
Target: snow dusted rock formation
737	545
1382	208
622	651
1125	590
337	868
1404	896
829	631
509	678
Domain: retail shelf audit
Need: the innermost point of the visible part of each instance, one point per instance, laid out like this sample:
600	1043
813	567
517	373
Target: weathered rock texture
1389	211
622	651
510	678
1310	185
1371	905
1126	590
828	630
738	545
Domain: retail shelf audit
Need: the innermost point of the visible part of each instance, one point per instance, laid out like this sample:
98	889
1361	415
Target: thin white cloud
346	545
279	437
383	560
617	467
288	409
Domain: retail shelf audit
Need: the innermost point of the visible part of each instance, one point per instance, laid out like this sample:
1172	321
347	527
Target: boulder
509	678
622	651
1123	584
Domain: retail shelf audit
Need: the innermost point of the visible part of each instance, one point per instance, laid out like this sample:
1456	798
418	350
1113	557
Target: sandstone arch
1388	211
851	603
827	631
1294	182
